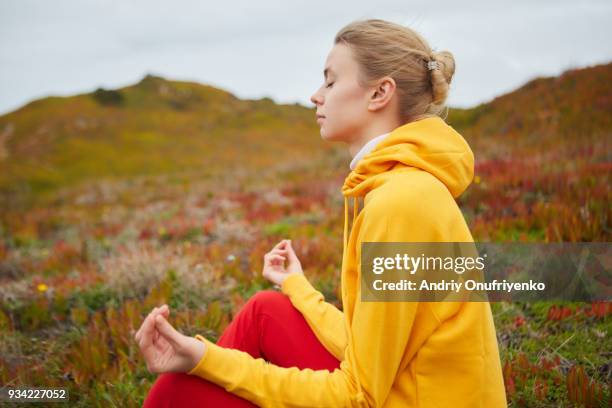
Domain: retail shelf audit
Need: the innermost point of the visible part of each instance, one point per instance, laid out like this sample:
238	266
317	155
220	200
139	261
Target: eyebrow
328	69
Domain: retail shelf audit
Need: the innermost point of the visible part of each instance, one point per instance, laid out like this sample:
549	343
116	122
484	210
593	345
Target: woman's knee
268	301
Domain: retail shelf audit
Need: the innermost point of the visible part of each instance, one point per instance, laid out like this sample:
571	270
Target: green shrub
108	97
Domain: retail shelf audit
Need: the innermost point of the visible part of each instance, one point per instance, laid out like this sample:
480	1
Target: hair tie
433	65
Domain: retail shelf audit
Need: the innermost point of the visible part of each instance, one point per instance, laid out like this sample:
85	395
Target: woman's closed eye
329	85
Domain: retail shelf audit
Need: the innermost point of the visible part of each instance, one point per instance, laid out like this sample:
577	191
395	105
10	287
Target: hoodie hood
429	144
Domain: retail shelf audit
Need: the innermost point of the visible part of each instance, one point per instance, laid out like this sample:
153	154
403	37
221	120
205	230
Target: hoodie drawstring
359	397
345	228
355	211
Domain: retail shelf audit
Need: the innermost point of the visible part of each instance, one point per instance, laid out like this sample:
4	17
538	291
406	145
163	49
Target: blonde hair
382	48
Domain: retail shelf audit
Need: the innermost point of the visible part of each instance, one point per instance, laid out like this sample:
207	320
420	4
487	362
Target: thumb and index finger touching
147	325
167	331
291	252
286	244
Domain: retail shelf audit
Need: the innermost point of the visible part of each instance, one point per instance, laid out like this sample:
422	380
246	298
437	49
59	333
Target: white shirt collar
367	148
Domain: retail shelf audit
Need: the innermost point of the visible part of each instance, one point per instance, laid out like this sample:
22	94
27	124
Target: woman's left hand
165	349
274	268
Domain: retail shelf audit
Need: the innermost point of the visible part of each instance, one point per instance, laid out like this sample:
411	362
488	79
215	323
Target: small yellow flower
477	179
161	230
42	287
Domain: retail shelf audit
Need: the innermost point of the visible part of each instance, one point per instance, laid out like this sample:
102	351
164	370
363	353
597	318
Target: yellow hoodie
393	354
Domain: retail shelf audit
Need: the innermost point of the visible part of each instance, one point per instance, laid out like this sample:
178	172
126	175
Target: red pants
267	326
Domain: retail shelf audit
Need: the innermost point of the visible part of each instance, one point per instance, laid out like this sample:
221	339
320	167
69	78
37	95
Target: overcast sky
278	48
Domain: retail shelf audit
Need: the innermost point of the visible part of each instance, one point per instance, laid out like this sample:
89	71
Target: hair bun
447	64
442	76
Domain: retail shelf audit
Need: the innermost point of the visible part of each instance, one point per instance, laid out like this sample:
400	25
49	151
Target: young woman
384	89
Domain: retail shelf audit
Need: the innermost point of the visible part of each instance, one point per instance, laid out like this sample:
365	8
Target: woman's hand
274	268
165	349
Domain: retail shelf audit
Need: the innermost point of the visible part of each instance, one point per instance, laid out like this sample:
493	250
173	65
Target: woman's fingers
286	249
138	334
275	253
281	244
280	248
279	251
294	264
271	256
164	310
148	331
276	259
167	331
291	253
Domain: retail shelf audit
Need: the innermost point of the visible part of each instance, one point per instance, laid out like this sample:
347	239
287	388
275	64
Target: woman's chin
323	134
328	136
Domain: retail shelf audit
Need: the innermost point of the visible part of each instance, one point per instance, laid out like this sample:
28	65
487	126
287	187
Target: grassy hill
572	105
155	127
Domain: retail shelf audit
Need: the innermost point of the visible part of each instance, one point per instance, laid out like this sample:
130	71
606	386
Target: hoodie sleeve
365	377
325	319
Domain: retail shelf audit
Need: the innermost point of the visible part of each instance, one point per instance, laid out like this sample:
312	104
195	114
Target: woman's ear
382	94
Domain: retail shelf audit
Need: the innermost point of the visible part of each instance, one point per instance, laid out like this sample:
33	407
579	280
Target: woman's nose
315	99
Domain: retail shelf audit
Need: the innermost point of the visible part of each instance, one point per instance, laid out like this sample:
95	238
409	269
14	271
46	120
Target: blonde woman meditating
384	89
